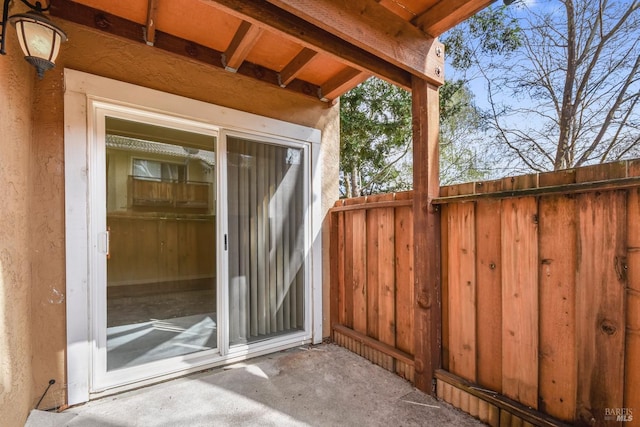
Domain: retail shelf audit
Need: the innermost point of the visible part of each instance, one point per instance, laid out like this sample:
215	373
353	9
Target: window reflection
161	275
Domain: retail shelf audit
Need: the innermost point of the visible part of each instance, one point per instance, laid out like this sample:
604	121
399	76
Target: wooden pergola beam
374	28
293	68
296	29
426	226
97	19
243	40
447	14
150	29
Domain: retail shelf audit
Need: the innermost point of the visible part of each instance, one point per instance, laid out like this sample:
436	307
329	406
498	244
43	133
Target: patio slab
309	386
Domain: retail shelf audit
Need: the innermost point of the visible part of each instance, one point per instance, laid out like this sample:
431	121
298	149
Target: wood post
426	223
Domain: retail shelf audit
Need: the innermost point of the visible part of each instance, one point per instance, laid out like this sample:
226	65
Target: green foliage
376	137
494	31
461	125
376	118
375	131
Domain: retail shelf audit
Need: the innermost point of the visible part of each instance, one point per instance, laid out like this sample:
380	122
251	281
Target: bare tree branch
609	117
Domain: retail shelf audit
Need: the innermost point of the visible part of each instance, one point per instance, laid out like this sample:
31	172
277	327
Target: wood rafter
338	84
374	28
398	9
446	14
244	39
150	29
97	19
293	68
292	27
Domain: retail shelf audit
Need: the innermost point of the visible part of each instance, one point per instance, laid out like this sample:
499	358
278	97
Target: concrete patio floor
309	386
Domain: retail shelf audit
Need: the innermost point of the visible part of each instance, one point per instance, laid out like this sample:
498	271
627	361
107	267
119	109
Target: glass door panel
161	262
266	240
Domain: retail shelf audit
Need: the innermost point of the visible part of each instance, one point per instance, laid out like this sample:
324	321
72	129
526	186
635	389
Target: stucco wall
94	52
16	91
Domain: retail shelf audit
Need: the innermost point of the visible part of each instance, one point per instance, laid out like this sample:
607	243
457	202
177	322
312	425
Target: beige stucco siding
16	94
32	234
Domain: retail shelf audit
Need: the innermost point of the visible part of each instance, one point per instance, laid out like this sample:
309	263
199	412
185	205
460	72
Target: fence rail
540	289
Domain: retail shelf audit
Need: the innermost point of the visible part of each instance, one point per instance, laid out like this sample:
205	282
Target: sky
531	122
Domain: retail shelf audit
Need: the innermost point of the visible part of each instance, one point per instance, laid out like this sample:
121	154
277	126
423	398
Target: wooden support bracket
150	29
291	70
243	41
349	77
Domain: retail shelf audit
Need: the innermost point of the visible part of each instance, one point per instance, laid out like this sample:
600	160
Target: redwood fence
372	279
540	293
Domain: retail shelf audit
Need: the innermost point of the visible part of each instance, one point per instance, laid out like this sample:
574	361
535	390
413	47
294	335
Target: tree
564	91
461	135
375	136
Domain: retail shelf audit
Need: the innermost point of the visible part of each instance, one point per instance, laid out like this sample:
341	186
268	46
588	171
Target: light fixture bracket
5	15
4	23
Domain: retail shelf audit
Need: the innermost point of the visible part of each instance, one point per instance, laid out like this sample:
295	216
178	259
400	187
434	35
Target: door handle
104	242
108	236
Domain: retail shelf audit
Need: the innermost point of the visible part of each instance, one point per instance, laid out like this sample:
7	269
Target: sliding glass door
161	266
192	235
168	293
155	288
266	222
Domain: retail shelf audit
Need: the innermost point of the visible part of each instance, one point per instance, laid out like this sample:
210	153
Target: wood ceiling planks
94	18
320	69
321	48
198	22
263	52
307	35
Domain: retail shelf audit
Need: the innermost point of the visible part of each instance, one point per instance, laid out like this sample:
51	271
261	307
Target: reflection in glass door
161	262
266	209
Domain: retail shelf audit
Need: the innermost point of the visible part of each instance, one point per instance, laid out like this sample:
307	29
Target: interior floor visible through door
147	328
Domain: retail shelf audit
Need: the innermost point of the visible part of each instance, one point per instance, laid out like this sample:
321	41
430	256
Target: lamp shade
39	39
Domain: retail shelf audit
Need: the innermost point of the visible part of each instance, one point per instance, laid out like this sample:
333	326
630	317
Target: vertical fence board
444	283
600	304
632	364
340	262
554	311
489	294
349	267
386	280
462	290
558	379
373	273
520	300
404	278
335	285
359	229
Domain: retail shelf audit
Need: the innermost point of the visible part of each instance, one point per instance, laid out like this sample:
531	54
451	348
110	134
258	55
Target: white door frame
83	93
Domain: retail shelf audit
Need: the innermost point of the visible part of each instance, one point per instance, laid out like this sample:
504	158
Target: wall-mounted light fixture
39	38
